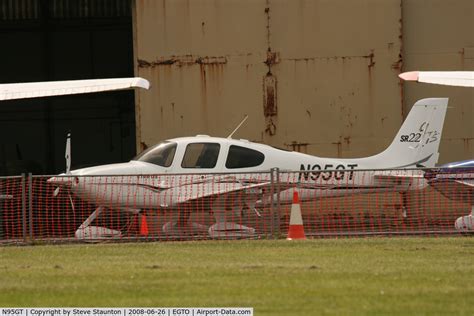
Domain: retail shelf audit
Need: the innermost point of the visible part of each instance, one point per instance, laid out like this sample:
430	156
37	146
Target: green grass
330	276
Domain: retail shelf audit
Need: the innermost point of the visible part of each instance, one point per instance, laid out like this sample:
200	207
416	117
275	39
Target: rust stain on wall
339	148
270	96
273	58
398	65
267	13
143	146
467	144
297	146
270	109
185	60
371	58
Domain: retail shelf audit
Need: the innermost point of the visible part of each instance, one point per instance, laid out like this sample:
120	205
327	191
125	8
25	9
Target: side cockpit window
161	154
201	155
241	157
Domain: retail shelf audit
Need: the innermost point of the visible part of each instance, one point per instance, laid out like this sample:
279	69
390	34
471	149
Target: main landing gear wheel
230	230
181	226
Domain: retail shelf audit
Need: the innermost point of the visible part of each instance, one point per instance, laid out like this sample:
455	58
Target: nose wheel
89	232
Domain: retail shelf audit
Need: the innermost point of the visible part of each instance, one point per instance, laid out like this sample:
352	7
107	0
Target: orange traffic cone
296	229
143	225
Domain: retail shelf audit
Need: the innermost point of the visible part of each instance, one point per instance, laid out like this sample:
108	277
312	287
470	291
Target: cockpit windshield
161	154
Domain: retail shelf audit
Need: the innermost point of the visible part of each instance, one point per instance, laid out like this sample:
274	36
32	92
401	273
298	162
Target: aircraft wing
400	181
469	183
27	90
240	190
449	78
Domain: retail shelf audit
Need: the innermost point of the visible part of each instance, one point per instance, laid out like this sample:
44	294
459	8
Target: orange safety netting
201	206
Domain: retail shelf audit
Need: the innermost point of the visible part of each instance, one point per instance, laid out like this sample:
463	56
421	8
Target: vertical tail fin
417	142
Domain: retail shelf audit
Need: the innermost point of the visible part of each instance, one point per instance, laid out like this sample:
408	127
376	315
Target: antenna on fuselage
238	126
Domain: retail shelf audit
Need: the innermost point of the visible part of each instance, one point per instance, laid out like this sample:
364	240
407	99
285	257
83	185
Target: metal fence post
30	204
23	204
274	203
278	205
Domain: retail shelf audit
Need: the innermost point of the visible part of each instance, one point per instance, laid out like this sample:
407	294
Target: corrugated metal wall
439	35
63	9
314	75
19	9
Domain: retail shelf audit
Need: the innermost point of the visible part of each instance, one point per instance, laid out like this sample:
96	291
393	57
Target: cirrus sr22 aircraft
222	169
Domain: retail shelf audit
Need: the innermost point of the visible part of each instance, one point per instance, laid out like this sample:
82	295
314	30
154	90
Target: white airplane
202	170
454	180
224	175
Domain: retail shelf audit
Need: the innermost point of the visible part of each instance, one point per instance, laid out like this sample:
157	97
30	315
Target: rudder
417	142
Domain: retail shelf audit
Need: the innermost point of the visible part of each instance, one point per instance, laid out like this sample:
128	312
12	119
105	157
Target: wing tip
141	83
409	76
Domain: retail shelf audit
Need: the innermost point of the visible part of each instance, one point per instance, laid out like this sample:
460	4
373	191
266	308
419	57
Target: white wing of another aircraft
448	78
27	90
457	184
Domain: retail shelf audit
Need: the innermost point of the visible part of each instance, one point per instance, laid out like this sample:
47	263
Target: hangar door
44	40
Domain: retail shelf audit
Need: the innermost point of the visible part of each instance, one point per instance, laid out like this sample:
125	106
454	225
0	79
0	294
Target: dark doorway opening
43	40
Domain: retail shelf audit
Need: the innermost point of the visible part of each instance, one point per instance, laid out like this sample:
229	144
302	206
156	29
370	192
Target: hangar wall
313	75
439	35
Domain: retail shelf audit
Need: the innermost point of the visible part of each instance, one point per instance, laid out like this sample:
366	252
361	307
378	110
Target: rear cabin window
241	157
201	155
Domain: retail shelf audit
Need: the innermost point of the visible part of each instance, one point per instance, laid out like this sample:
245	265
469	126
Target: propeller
68	153
67	156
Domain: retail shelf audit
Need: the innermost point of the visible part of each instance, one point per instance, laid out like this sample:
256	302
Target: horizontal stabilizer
402	181
28	90
388	180
469	183
449	78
